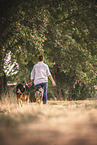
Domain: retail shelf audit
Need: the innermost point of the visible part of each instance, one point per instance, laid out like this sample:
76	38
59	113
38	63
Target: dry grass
56	123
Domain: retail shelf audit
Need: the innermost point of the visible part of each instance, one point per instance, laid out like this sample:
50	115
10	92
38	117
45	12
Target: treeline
64	32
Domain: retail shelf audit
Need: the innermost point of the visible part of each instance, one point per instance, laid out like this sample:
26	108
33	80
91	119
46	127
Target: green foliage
65	32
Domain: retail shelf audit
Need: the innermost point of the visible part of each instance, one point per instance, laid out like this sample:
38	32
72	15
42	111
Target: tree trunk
3	85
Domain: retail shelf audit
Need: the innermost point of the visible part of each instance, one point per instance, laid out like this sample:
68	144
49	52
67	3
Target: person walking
40	74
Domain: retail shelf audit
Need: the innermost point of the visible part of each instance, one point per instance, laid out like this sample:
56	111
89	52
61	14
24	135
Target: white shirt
40	73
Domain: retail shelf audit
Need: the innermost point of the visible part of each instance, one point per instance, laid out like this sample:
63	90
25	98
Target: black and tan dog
39	95
23	94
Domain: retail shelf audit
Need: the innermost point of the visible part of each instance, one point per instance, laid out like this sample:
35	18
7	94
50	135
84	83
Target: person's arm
52	80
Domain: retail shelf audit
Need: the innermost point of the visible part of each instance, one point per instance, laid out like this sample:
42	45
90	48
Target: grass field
56	123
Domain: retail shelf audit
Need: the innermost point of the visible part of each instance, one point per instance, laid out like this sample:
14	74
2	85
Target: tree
64	31
73	49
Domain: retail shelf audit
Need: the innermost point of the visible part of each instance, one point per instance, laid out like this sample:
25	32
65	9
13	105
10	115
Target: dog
39	95
23	94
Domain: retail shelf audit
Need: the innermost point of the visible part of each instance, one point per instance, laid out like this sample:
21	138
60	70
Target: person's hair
41	57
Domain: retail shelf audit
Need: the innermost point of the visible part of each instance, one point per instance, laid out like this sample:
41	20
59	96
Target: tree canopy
64	32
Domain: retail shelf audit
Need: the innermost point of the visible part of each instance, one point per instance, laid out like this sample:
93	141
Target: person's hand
30	83
53	83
